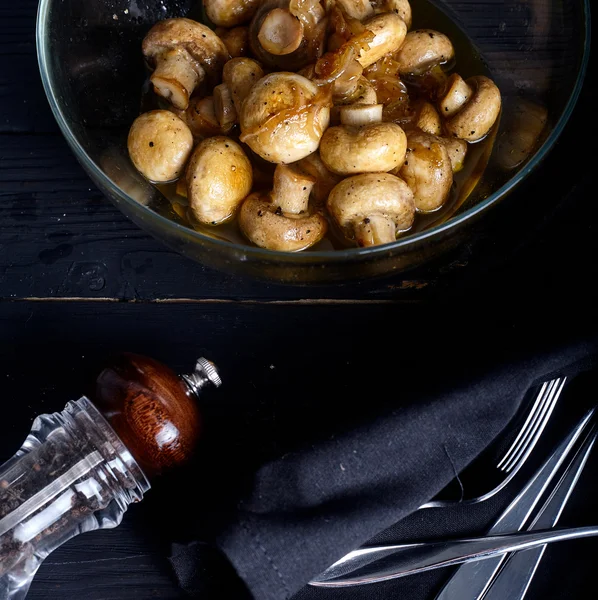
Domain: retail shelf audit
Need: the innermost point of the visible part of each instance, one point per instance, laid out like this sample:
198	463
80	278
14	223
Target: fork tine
540	398
535	435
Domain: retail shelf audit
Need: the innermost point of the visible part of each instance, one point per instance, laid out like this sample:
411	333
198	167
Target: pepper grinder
79	469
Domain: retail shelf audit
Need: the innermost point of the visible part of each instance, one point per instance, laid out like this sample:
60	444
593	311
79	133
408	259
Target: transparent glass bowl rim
328	255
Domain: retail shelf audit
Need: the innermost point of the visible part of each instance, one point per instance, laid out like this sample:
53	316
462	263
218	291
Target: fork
518	452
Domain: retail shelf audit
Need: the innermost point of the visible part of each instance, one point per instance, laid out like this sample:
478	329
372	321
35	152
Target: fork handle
370	565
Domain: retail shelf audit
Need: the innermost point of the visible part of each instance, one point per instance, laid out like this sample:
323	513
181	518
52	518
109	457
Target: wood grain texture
50	352
151	409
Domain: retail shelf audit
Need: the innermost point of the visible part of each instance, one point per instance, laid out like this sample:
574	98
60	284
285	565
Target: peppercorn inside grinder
79	469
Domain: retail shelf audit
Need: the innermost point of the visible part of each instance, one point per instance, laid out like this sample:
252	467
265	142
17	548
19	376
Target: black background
79	281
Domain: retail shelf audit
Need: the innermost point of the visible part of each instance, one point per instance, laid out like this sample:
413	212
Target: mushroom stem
374	230
224	107
455	95
361	114
291	190
176	76
281	33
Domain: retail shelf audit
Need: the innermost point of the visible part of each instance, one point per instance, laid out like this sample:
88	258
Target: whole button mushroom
159	145
456	94
427	170
219	178
240	75
399	7
457	151
422	50
236	40
282	220
288	34
229	13
284	117
372	208
389	35
427	118
362	143
478	114
183	54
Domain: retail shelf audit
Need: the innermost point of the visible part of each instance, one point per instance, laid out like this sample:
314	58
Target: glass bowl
92	70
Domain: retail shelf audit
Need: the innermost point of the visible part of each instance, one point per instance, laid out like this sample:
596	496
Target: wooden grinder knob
152	409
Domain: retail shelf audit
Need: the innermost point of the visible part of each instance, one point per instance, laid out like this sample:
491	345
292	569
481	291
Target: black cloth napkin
307	508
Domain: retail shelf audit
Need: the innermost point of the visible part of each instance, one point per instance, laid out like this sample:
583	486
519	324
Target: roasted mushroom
427	170
422	50
477	115
362	143
287	35
457	151
400	7
389	35
240	75
357	9
456	94
201	118
281	219
426	118
219	177
372	208
325	179
183	53
236	40
229	13
284	117
159	145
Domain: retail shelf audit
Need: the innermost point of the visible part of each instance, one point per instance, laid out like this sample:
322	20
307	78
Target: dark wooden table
78	281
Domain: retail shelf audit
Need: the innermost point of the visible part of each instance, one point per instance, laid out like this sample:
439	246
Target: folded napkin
303	510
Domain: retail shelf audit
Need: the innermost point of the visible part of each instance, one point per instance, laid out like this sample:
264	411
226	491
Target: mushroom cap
476	117
236	40
219	177
284	117
202	44
229	13
375	148
427	170
457	151
268	227
241	74
357	9
422	50
389	35
159	145
363	196
400	7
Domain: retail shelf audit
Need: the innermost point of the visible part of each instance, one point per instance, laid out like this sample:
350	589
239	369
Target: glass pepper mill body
78	470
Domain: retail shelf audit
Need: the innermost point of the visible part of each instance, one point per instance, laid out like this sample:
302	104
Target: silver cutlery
516	575
511	461
380	563
472	580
